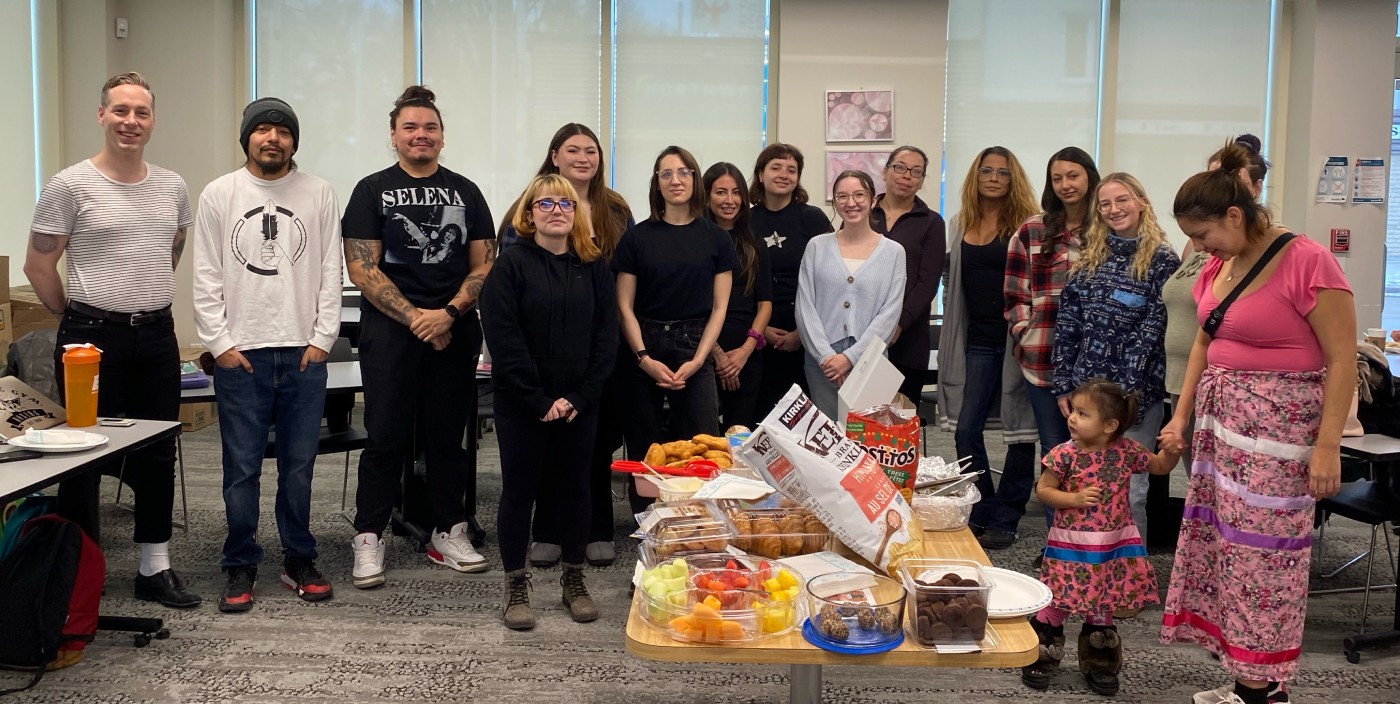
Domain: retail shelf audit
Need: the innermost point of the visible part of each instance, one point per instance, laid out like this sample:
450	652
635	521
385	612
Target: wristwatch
642	354
452	311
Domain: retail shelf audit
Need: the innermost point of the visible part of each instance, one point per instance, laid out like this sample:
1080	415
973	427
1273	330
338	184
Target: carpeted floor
433	635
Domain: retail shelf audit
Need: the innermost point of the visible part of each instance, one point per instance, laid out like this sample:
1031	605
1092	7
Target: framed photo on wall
859	115
871	162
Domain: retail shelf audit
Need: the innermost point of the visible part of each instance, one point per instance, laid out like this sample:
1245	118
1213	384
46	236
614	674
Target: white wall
875	45
1340	92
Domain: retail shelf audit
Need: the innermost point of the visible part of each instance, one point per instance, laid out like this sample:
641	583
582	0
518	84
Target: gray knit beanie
273	111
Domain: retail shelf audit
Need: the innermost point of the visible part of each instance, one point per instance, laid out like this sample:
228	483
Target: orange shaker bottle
80	365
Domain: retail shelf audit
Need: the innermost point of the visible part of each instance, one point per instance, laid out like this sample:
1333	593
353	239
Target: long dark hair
654	197
1209	195
1055	214
745	244
777	150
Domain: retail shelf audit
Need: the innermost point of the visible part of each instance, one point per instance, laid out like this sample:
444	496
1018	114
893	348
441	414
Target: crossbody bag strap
1217	316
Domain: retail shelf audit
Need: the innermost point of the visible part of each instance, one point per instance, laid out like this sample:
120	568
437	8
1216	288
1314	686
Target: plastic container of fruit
948	600
762	596
945	512
725	617
777	532
856	610
679	528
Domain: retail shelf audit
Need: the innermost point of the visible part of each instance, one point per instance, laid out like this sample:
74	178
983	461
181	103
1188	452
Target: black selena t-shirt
426	226
785	233
983	273
675	266
738	318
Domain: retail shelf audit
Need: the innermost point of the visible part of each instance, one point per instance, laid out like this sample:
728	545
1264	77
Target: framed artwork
872	163
859	115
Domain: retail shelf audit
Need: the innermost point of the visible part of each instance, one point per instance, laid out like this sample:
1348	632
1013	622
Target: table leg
804	684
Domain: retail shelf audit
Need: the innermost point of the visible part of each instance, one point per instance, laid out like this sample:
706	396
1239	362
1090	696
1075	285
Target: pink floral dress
1095	561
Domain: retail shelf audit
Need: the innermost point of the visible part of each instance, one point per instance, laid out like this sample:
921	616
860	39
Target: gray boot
544	555
581	606
517	615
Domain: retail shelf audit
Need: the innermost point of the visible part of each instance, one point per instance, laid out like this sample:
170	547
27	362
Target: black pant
780	371
139	377
913	385
694	409
405	379
535	454
741	405
606	440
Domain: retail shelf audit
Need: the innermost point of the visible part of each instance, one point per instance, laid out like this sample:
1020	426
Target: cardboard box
4	279
7	330
196	416
28	313
21	408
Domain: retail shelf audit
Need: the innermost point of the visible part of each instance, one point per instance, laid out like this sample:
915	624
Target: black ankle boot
1051	651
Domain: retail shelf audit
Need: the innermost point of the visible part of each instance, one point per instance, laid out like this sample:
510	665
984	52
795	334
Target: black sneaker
238	594
300	575
165	587
995	539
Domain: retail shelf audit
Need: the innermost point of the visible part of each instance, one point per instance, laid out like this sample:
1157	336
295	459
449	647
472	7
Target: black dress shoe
996	539
165	587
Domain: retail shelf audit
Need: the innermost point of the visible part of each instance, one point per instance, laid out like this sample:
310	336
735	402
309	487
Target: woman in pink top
1270	390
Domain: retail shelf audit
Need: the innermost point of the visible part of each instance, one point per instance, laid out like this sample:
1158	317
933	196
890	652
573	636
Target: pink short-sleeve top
1267	329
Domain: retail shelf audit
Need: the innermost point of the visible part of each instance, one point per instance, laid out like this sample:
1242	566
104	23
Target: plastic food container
856	609
778	532
945	512
679	528
679	488
948	600
762	598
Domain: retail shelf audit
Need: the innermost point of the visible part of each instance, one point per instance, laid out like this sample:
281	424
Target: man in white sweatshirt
267	287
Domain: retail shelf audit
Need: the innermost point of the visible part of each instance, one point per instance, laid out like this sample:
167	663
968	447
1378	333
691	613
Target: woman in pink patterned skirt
1270	381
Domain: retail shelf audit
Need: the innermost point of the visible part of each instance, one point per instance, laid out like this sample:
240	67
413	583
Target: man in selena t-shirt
419	242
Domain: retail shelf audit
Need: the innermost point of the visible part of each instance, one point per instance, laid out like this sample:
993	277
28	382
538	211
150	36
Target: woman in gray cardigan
979	379
850	291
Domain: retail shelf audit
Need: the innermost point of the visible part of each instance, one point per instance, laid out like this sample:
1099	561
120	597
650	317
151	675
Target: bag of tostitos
807	457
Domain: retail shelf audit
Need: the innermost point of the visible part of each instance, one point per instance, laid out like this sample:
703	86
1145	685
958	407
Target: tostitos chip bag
890	438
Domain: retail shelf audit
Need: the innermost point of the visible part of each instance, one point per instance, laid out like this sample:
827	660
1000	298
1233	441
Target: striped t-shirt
119	234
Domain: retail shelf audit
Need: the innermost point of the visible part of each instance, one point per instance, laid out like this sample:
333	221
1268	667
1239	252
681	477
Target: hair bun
416	94
1250	142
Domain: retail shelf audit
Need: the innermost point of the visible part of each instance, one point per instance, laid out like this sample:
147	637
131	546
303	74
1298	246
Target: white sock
155	558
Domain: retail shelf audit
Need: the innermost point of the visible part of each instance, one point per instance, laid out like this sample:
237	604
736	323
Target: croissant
765	539
817	533
791	527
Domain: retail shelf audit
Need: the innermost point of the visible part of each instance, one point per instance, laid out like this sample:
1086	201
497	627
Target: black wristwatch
452	311
642	354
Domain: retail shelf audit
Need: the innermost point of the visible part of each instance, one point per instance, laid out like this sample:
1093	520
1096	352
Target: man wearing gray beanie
267	284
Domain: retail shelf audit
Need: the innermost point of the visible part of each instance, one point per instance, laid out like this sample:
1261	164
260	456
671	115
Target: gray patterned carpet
432	635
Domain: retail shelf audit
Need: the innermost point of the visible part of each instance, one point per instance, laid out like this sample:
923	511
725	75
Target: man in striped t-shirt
122	223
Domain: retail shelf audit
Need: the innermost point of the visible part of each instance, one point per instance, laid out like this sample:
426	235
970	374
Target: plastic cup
80	382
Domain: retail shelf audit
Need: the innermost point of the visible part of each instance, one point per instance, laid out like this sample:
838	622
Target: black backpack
53	563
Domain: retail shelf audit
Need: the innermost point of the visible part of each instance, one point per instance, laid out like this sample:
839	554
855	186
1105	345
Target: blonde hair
1020	202
1150	235
580	241
130	78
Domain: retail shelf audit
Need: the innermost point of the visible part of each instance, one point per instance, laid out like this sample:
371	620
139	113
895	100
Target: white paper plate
93	440
1016	594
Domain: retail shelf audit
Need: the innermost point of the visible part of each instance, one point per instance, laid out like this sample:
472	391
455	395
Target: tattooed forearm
471	289
362	261
177	248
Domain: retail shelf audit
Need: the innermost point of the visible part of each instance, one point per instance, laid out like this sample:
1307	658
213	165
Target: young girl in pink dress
1095	561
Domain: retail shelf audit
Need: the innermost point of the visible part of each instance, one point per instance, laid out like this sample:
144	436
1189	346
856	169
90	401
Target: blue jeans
1146	433
1050	423
279	395
823	392
1000	507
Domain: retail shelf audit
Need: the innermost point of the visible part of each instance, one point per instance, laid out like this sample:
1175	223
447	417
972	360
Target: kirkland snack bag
809	458
892	439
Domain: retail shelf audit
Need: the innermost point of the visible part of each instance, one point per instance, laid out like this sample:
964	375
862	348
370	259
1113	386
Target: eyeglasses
565	205
668	174
857	197
987	173
1121	203
901	169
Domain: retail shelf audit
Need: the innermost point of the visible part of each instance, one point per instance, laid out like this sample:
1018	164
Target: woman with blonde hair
550	318
977	368
1112	321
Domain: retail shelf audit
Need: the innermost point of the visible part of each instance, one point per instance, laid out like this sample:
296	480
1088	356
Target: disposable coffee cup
1376	336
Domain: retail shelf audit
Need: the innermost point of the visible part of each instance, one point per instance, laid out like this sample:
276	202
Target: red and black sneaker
238	595
301	576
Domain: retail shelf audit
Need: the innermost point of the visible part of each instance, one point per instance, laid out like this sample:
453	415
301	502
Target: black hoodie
550	322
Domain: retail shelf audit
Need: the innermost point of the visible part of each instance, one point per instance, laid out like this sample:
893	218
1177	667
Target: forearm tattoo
377	287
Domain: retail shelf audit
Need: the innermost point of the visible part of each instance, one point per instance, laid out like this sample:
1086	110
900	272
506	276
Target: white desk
340	377
25	476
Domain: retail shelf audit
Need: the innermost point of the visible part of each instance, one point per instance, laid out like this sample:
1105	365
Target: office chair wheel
141	640
1353	657
163	634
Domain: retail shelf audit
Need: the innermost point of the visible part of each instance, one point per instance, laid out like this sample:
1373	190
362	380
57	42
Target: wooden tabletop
1016	646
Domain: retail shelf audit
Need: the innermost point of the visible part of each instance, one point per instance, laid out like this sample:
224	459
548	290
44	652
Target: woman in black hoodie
550	319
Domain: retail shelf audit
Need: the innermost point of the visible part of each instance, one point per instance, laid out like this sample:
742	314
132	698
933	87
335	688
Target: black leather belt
142	318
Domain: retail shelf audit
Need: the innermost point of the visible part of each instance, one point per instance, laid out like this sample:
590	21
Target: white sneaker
454	549
1219	695
369	561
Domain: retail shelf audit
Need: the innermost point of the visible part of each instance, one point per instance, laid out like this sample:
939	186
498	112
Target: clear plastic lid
685	528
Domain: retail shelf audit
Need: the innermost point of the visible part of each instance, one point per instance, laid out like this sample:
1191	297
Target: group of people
1067	320
1074	324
